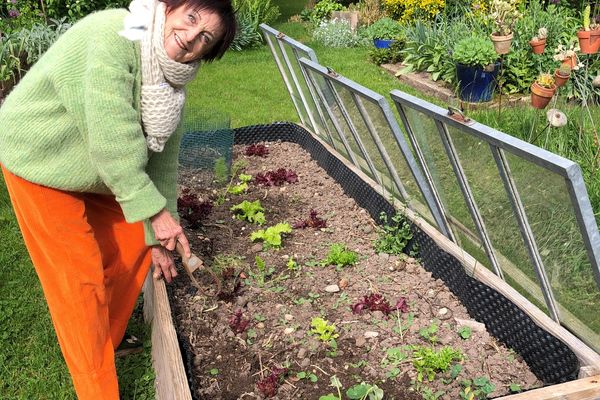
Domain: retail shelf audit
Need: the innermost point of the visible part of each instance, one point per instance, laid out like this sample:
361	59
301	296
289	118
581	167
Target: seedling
262	272
428	394
235	168
260	317
402	328
276	178
478	389
323	329
242	186
464	332
394	356
214	371
259	150
515	388
238	323
393	237
335	382
365	391
313	221
343	299
428	362
272	235
292	265
339	256
270	384
307	375
429	333
252	212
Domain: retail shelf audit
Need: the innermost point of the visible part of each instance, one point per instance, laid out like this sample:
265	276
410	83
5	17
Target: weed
261	273
427	361
252	212
260	317
292	265
464	332
394	356
428	394
335	382
214	371
429	332
401	328
393	237
515	388
307	375
272	235
478	389
342	299
364	391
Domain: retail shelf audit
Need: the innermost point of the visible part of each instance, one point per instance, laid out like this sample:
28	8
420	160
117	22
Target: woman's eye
191	18
205	38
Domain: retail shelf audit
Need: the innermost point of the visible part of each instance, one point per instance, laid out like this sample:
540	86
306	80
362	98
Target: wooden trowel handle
192	263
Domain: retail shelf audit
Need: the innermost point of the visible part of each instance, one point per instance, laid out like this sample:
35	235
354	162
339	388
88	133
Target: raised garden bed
375	345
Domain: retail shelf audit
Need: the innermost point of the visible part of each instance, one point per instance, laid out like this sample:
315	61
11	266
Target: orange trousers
91	264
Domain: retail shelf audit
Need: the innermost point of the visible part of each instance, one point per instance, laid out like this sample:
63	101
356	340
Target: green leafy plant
323	9
221	170
335	382
384	28
475	51
394	236
364	391
335	33
272	235
307	375
393	357
429	394
262	272
250	14
252	212
339	256
478	388
515	388
242	186
322	328
402	327
464	332
428	362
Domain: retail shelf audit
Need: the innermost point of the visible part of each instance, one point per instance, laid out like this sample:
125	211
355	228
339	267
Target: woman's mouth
179	42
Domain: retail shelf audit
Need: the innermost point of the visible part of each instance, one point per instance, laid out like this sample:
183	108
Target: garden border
166	353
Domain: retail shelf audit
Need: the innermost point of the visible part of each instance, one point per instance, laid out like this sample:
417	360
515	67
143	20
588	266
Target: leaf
330	396
301	375
335	382
358	391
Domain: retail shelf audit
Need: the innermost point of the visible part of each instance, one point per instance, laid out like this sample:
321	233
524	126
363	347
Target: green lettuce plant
475	51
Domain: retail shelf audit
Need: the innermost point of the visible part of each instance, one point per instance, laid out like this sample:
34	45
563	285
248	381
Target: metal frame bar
424	183
463	183
525	228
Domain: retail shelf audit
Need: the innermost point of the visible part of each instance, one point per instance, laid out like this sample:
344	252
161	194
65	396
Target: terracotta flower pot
538	46
585	43
570	61
502	43
541	96
595	40
560	80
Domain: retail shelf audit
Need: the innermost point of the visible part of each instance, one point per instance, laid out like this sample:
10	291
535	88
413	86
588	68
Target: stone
288	317
301	353
343	283
474	325
371	334
305	362
360	341
443	311
257	248
332	289
288	331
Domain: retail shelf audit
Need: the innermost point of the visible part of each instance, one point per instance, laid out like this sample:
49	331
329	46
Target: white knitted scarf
163	79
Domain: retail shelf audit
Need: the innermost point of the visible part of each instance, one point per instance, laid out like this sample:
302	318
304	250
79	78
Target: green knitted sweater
74	122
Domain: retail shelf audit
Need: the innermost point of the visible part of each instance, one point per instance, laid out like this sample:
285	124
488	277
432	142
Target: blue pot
474	84
382	43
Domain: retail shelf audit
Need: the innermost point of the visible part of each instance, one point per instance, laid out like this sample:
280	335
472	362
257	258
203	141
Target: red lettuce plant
270	384
193	210
259	150
313	221
376	302
238	323
276	178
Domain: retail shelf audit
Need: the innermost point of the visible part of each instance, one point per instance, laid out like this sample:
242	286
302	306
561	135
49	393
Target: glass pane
497	212
294	91
323	90
428	138
309	104
554	225
382	129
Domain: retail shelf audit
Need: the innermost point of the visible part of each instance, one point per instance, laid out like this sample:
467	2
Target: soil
229	365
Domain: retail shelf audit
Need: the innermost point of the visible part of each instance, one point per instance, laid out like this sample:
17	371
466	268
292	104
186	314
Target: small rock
343	283
197	361
288	331
410	260
474	325
278	306
367	229
371	334
241	301
360	341
257	248
260	325
219	357
443	311
392	269
301	353
332	289
305	362
288	317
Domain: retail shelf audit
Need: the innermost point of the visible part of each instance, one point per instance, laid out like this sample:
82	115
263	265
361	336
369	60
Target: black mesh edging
548	358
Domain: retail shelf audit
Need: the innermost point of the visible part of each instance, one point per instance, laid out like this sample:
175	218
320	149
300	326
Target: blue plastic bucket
382	43
474	84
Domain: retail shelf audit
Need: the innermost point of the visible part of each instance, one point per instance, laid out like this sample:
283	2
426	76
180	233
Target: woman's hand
168	232
163	263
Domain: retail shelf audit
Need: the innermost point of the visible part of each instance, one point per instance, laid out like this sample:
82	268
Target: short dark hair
224	10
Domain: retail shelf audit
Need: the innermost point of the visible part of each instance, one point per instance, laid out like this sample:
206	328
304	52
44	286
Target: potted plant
542	90
584	35
383	32
538	43
504	14
567	55
562	75
476	68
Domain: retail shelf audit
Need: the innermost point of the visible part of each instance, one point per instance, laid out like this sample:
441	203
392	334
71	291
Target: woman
88	148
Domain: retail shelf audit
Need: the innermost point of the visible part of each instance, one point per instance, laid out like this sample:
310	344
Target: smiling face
190	33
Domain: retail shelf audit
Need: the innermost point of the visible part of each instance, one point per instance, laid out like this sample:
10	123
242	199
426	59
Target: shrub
410	10
335	33
250	14
370	11
475	51
38	38
77	9
385	28
323	10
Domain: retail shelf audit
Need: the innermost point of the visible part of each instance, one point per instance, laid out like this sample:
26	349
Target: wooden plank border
171	382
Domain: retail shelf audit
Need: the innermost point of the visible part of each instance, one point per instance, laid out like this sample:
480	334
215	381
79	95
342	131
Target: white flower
556	118
137	21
